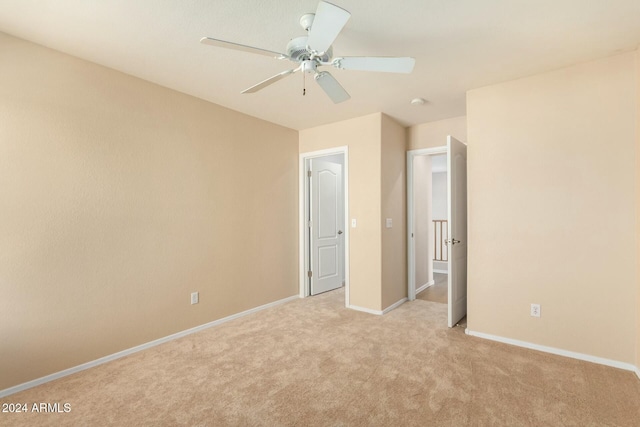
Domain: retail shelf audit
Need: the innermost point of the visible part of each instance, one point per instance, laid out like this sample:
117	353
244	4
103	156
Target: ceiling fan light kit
314	50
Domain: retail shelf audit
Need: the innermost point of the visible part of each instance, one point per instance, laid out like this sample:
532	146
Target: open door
326	226
457	227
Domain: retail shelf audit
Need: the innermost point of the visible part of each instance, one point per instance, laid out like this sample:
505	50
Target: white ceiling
458	45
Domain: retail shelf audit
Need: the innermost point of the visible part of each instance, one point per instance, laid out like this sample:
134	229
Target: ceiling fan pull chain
304	84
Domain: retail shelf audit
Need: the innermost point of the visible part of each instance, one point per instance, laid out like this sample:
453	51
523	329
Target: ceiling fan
314	50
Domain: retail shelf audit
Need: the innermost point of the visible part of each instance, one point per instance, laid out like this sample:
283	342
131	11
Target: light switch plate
353	223
389	222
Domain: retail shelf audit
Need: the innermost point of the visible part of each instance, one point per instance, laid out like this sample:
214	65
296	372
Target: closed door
326	226
457	228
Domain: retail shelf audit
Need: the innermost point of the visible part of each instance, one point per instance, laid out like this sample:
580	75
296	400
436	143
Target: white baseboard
366	310
123	353
394	305
638	372
379	312
425	286
557	351
441	271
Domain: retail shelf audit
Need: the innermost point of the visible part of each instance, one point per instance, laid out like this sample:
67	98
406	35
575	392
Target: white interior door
327	250
457	227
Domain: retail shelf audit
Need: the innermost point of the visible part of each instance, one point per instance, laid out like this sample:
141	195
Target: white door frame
411	247
302	198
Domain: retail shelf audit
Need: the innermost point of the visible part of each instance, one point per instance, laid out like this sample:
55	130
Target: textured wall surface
552	216
118	198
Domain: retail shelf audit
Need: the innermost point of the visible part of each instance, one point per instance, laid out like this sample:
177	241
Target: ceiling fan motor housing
297	51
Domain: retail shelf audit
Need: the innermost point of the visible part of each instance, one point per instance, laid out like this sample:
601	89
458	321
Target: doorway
454	240
430	235
324	237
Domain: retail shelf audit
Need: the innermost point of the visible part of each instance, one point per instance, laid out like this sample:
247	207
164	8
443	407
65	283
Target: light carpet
313	362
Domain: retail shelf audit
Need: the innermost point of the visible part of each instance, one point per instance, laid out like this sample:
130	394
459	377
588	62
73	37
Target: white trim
303	291
379	312
411	255
39	381
425	286
557	351
394	305
366	310
638	372
441	271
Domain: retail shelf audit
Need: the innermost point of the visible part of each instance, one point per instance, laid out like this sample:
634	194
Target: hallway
436	292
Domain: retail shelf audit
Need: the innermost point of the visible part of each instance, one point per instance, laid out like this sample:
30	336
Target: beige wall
377	190
362	135
552	208
118	198
422	215
434	134
393	202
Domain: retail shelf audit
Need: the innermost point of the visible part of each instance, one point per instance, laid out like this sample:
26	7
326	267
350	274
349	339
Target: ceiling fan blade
269	81
244	48
332	88
380	63
327	24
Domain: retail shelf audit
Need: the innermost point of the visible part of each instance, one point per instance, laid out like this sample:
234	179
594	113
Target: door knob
339	231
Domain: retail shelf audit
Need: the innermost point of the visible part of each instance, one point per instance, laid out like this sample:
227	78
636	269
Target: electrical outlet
194	298
535	310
